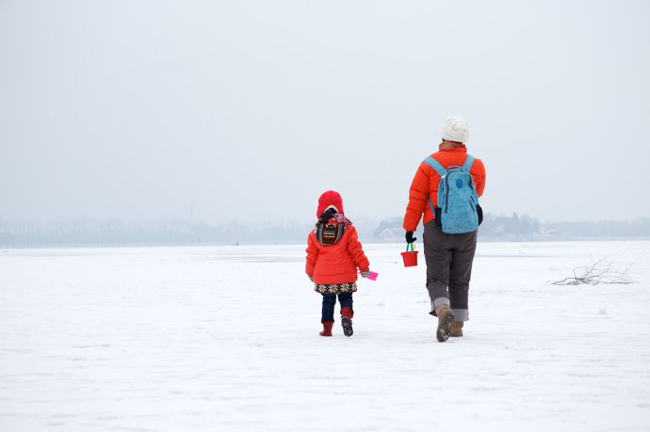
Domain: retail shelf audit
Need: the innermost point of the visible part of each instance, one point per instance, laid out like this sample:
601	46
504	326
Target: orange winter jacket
337	263
425	185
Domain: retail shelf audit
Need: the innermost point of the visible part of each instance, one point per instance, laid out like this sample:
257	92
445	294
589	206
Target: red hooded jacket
336	263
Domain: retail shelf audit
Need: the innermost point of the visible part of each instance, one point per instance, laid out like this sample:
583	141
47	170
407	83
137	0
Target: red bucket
410	257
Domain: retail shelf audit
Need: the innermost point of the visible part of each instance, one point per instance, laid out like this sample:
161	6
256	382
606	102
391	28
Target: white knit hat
455	128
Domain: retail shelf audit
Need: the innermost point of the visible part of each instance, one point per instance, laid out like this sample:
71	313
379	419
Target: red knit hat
329	198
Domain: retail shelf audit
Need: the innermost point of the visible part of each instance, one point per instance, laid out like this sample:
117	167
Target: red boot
327	328
346	321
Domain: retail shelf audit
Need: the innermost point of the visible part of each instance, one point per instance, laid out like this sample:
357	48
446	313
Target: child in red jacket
333	255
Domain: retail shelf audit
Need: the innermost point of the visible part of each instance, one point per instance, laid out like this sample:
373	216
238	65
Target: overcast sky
250	109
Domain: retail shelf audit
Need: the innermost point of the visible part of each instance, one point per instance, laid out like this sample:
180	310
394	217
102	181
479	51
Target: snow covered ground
226	339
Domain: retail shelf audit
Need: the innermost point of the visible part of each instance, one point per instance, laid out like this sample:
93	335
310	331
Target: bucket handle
412	247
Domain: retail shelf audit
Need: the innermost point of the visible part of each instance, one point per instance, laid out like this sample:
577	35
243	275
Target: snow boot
456	329
445	320
346	321
327	328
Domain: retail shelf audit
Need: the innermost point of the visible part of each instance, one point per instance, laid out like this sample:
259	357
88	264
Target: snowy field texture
226	339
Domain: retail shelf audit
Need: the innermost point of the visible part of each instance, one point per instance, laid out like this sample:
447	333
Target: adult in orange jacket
449	257
333	255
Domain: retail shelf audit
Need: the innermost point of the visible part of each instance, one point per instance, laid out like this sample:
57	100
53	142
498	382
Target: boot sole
347	326
444	326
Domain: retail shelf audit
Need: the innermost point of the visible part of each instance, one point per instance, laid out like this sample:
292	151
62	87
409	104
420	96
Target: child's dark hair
327	215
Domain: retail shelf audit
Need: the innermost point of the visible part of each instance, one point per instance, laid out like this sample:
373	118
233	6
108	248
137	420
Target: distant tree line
526	228
87	232
84	232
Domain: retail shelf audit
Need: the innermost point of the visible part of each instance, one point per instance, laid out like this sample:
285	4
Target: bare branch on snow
602	271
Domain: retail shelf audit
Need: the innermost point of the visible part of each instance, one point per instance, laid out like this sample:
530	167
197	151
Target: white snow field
226	339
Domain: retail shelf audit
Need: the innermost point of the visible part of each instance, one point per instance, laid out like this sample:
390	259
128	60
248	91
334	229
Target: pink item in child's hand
371	275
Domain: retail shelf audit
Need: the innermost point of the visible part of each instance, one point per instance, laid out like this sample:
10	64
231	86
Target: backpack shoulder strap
467	166
433	163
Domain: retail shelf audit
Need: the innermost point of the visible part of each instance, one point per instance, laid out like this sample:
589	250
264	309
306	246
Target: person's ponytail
327	215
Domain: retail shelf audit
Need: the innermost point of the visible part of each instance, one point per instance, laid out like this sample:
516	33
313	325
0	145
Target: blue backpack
457	210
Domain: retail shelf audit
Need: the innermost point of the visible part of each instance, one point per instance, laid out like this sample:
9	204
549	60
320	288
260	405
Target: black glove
409	237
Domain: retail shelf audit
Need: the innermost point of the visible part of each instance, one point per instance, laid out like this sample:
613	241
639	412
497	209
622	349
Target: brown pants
449	268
